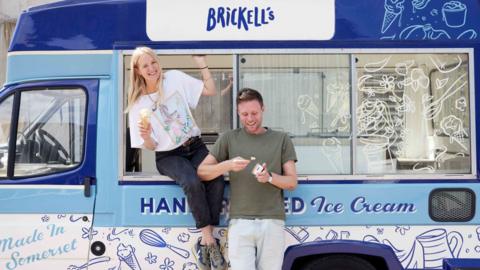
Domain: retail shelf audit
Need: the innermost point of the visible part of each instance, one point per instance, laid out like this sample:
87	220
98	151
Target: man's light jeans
256	244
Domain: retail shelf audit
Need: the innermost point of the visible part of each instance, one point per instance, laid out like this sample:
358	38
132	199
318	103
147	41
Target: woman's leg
181	166
184	174
214	188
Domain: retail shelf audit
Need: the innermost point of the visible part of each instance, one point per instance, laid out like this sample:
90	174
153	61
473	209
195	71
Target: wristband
270	178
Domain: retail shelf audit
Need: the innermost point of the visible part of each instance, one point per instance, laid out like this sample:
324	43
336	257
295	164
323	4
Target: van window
307	96
213	114
348	114
5	120
413	114
51	129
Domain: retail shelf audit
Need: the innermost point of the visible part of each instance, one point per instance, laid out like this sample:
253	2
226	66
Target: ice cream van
378	97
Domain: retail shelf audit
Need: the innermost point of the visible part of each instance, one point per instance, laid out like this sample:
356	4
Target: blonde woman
160	120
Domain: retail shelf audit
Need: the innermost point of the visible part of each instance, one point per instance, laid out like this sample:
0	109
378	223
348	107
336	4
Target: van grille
452	204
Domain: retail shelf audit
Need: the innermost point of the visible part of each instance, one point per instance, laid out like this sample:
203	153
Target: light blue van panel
39	200
31	67
308	205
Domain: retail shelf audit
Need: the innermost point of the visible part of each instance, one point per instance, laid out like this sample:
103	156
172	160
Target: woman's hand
145	131
200	60
209	88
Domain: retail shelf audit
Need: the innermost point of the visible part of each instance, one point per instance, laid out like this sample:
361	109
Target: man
261	164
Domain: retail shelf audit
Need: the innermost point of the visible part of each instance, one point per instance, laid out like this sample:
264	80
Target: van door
47	169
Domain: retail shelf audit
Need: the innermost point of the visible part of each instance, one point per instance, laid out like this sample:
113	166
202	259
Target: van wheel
338	262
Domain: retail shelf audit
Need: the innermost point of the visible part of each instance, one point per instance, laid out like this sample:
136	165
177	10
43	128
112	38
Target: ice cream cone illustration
126	254
388	19
145	117
393	9
307	105
333	152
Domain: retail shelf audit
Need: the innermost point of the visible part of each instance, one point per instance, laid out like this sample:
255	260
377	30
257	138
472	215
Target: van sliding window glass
213	114
413	114
307	96
411	110
50	131
348	114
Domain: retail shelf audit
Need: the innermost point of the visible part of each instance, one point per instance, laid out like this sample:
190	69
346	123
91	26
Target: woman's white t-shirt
172	121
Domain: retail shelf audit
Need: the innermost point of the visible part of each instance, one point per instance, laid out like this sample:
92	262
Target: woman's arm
209	88
227	88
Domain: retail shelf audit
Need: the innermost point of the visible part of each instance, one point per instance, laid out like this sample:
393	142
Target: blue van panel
101	24
108	200
461	264
343	247
105	24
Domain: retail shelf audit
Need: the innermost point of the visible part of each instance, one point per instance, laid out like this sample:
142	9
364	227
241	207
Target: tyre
338	262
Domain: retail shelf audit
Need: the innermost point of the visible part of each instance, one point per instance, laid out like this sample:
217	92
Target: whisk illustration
153	239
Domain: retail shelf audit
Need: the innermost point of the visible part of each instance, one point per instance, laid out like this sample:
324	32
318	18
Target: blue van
379	98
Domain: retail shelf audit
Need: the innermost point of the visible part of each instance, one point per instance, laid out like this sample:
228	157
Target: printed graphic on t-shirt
175	118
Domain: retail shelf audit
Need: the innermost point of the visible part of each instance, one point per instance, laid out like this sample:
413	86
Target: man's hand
238	163
209	169
263	176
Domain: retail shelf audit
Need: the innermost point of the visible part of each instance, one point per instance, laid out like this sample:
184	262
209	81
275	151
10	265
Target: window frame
36	124
139	177
85	167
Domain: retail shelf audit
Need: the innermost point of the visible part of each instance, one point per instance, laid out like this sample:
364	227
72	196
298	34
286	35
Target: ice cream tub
454	14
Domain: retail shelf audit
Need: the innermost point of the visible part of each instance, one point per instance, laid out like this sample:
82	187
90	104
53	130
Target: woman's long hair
137	82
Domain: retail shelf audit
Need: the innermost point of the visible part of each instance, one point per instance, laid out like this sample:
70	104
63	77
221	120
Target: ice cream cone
145	117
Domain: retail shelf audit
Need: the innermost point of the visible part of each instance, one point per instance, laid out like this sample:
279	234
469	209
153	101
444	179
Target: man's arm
210	169
286	181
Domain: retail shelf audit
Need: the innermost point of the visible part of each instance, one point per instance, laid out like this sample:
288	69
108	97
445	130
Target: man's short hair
249	94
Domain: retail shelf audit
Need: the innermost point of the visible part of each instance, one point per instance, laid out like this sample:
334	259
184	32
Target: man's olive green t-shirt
248	197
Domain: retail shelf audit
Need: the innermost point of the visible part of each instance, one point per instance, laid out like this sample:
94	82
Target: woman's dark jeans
204	197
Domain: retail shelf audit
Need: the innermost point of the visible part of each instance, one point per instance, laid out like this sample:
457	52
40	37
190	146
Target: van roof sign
217	20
